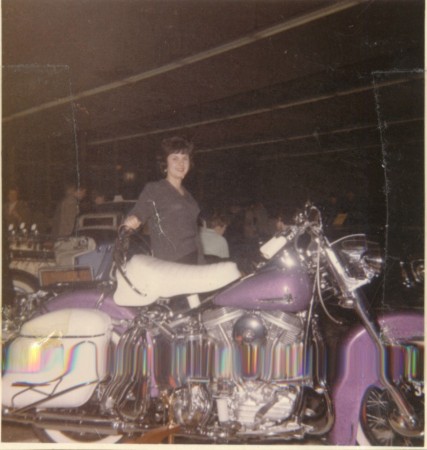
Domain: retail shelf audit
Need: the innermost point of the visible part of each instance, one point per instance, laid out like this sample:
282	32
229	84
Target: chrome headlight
363	259
372	261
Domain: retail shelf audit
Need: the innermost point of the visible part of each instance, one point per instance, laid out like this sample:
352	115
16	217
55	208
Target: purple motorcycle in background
290	352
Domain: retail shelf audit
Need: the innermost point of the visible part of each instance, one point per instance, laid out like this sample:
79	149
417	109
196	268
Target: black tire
375	428
23	282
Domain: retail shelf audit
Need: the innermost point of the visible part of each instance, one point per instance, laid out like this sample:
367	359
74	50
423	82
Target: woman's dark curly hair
173	145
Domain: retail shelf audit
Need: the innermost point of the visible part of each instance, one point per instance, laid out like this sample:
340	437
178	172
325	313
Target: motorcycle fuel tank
274	289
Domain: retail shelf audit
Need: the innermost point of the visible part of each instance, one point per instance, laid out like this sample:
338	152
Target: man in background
214	244
67	210
16	211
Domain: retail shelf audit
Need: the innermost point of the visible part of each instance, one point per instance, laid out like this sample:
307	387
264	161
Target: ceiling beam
277	107
308	136
319	152
328	152
198	57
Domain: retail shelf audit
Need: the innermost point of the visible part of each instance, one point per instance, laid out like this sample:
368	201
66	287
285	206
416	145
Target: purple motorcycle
290	352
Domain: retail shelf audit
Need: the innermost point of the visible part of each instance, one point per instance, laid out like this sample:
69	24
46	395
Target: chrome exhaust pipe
78	423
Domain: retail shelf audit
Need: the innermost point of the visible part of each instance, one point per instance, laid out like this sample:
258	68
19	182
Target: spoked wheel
377	426
75	437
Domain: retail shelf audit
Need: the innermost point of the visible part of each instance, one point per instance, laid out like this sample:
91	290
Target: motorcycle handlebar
277	242
124	231
272	246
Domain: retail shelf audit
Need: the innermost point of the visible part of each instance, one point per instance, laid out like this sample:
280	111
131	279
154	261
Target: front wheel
376	424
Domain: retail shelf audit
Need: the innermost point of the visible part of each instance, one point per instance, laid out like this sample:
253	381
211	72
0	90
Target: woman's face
178	165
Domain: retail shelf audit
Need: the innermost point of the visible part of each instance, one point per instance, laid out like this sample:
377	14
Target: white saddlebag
57	360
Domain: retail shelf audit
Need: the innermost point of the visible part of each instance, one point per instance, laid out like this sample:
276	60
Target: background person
97	198
214	244
169	209
16	211
67	210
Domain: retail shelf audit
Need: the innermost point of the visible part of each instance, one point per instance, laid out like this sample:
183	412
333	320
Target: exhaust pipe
78	423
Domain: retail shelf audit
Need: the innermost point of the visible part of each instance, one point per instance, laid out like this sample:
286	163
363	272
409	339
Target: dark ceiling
324	91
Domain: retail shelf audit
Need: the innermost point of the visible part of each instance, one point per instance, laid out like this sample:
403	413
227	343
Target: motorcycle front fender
359	368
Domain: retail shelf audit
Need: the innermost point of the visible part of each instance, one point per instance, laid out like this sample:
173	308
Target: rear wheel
65	437
58	436
376	424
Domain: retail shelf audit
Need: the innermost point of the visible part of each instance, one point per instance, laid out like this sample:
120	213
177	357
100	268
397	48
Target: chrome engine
249	367
256	345
222	374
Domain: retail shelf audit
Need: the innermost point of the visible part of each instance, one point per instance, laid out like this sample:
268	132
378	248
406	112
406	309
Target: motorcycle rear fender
57	360
93	298
358	368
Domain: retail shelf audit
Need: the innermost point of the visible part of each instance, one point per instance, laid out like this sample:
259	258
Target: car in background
38	261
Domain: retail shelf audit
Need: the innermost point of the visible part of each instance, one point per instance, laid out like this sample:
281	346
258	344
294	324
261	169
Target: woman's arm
142	209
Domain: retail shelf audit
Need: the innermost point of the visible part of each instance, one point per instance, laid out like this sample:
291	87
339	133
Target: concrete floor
23	434
17	433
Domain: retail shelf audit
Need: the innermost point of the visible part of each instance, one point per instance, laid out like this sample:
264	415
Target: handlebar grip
271	247
124	231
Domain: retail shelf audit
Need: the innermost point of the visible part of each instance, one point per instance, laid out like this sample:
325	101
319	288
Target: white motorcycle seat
154	278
